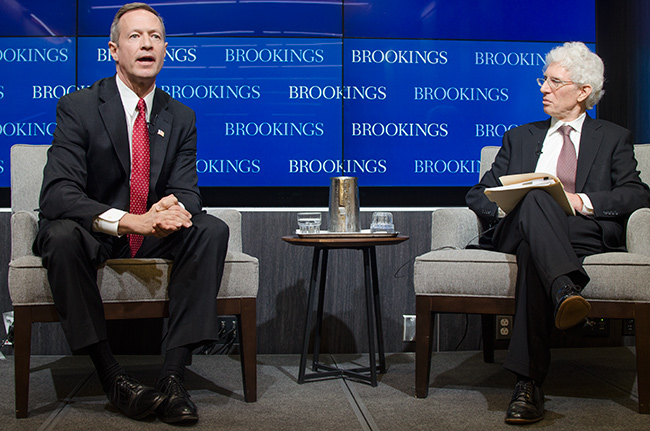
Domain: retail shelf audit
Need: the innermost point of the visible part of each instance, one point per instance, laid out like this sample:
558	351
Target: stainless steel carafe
344	205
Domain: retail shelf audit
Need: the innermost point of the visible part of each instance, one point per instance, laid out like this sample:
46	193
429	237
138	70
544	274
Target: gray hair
115	31
583	66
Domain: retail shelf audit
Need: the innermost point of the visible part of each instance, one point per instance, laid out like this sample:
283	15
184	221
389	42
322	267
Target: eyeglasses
554	83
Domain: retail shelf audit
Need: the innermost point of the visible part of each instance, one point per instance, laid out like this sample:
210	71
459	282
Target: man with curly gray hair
595	161
584	66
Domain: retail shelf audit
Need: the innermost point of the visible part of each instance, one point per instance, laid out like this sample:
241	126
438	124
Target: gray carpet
587	389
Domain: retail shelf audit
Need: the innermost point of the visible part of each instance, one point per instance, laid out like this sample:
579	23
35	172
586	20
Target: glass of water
309	222
382	222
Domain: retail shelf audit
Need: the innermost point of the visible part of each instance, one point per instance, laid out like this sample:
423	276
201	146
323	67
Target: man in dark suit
120	182
595	161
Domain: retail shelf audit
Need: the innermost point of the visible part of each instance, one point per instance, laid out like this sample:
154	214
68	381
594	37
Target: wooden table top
344	241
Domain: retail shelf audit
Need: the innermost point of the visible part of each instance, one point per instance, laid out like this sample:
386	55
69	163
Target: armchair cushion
129	280
465	272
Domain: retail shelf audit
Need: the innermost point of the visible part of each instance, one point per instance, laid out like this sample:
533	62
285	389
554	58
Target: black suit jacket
88	165
606	172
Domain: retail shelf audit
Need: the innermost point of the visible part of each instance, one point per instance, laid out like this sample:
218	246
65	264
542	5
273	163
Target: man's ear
112	47
585	91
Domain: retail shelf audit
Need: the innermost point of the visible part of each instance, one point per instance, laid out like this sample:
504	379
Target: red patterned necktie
139	171
567	162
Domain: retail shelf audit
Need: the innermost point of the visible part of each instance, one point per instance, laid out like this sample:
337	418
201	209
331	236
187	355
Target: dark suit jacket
88	165
606	172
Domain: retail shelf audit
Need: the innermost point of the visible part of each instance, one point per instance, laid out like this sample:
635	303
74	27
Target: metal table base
373	314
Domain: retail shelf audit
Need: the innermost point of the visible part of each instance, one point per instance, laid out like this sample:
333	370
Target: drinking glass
382	222
309	222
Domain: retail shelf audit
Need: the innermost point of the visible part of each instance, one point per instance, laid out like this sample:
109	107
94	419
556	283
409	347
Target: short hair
115	32
583	66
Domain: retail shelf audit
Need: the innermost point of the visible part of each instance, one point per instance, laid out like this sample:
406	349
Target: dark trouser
548	244
71	255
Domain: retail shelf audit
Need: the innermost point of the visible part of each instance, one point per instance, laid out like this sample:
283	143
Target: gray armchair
130	288
452	279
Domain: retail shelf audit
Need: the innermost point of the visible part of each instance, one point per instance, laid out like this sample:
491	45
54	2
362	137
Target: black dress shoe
526	405
133	399
177	407
570	308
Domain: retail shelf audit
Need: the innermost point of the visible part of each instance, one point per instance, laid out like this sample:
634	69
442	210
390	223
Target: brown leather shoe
571	308
526	405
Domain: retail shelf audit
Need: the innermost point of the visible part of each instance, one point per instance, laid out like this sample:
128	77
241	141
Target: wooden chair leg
247	323
423	340
642	341
488	325
22	356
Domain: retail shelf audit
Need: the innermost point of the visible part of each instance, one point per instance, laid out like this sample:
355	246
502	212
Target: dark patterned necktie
567	162
139	171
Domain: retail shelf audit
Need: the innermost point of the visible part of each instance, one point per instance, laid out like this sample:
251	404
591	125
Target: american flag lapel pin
161	133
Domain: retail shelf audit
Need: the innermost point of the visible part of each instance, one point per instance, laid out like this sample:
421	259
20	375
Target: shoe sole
573	311
179	419
523	421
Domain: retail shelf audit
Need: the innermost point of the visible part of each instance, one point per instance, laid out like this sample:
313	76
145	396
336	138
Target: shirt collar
130	99
575	124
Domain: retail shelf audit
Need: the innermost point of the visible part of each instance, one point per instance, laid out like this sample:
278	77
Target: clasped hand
163	218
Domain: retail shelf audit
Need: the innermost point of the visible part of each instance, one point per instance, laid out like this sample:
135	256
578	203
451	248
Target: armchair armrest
232	218
638	232
454	228
23	232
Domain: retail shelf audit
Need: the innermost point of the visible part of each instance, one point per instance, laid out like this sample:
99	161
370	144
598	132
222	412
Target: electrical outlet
227	341
596	328
227	329
628	326
504	327
409	328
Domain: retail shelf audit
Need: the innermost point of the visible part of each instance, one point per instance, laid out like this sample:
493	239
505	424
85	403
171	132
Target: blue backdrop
291	93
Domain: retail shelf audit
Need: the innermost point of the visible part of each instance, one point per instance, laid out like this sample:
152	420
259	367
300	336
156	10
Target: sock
175	361
105	363
527	379
560	283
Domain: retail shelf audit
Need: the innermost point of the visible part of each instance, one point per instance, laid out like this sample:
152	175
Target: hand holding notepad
515	187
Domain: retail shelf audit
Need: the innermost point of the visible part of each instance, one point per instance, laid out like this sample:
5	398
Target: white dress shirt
547	162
